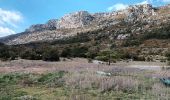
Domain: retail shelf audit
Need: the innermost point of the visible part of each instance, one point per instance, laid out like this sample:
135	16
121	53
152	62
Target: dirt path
155	66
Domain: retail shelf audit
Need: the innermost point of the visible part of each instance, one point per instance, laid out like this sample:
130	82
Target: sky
17	15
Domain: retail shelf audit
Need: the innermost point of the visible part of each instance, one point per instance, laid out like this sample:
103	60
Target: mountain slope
120	25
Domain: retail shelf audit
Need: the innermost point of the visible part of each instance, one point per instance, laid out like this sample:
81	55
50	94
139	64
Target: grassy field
79	80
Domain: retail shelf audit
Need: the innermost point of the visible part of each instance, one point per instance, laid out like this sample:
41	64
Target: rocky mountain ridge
82	22
84	18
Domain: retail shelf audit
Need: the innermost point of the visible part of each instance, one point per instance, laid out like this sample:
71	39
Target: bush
168	56
91	54
7	52
11	78
102	58
132	42
52	79
107	55
160	33
51	55
66	52
31	55
79	52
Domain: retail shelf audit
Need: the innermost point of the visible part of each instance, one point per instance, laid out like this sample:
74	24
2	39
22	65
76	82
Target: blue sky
17	15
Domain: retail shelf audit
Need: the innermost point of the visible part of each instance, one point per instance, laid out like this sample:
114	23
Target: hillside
141	32
133	20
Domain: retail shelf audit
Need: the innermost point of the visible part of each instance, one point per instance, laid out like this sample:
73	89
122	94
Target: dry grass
81	82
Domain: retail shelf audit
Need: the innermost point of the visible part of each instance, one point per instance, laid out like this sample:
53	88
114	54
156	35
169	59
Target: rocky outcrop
139	12
83	21
50	25
76	20
73	20
83	18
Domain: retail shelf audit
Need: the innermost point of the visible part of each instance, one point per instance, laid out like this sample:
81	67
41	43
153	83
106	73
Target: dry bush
81	80
160	91
120	83
101	83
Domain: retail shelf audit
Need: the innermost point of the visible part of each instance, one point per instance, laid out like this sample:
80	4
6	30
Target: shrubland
80	85
91	45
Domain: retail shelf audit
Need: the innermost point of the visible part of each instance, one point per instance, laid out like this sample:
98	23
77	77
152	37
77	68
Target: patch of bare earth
38	66
82	65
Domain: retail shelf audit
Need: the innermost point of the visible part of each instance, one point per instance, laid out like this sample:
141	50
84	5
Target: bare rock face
36	27
83	18
73	20
82	21
139	12
76	20
50	25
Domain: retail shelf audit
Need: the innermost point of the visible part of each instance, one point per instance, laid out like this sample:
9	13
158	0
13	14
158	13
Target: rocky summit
134	19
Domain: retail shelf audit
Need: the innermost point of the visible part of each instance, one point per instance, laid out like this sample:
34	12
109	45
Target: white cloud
10	17
9	21
121	6
143	2
118	6
4	31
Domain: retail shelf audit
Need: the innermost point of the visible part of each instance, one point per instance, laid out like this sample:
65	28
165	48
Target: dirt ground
154	69
39	66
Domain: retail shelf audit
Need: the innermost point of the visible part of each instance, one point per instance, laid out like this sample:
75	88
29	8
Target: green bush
102	58
51	55
4	53
31	55
6	79
91	54
79	51
7	52
52	79
168	56
66	52
159	33
107	55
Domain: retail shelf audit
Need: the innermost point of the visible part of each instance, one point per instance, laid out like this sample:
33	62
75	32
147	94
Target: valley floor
76	79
